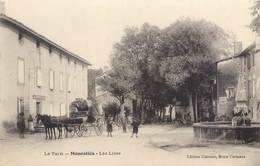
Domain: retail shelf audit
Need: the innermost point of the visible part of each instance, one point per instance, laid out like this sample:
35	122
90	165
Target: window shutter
61	81
51	109
253	88
51	79
39	77
248	61
69	84
62	109
20	71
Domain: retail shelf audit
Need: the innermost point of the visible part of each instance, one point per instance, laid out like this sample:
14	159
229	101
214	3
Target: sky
90	28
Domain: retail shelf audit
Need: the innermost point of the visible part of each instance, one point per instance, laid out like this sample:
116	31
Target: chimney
2	7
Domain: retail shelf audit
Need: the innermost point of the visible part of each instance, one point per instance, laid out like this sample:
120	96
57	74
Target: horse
49	126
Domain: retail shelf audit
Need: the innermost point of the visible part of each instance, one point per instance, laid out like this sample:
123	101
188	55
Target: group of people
109	122
135	124
21	124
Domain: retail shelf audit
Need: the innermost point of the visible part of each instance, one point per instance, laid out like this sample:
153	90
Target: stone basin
225	132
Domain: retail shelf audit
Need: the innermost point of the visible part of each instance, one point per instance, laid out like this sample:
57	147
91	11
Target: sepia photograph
130	82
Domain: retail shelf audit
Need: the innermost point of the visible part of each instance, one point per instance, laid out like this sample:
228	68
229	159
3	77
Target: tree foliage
255	23
162	66
190	50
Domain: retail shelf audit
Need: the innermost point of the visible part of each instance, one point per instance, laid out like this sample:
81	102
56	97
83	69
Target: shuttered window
51	109
51	79
21	72
69	84
39	77
61	81
253	88
62	109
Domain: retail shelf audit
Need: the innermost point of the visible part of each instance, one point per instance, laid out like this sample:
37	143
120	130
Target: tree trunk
191	109
122	109
164	111
171	113
196	107
134	104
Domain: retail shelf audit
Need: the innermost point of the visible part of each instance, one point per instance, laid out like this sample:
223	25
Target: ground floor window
62	109
51	109
20	105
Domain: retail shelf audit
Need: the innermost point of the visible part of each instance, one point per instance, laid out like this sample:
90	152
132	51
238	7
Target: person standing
30	124
135	125
21	125
109	126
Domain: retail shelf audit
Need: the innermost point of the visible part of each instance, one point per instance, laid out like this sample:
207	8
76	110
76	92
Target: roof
244	52
41	38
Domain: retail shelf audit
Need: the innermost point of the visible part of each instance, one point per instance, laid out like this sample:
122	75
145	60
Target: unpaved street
156	145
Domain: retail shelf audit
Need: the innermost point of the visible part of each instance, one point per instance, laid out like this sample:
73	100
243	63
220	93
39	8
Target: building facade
36	74
238	83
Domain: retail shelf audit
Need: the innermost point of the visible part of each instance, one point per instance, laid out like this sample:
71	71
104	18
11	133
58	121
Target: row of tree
159	67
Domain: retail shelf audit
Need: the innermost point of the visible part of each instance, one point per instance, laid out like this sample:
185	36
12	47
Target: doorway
38	107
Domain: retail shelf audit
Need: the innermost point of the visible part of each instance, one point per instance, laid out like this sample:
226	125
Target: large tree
134	55
190	50
255	12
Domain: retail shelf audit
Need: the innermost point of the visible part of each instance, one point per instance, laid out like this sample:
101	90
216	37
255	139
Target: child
135	125
109	126
30	124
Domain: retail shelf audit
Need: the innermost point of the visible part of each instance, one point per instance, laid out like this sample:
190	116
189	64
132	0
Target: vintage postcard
130	82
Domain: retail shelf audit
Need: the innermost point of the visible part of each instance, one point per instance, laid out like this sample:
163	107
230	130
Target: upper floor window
69	84
51	79
61	81
21	72
250	60
75	64
39	77
60	56
68	60
20	38
250	88
50	50
253	88
253	59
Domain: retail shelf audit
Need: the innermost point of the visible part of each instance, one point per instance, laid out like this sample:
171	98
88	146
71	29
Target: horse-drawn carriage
82	126
76	125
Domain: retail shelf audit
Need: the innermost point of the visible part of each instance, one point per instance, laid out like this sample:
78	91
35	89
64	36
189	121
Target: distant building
104	97
92	75
36	74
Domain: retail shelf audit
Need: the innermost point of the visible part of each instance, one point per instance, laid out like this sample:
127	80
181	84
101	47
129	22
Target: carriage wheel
83	130
79	131
70	132
87	130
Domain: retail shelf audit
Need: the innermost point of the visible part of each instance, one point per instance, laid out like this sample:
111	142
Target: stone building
238	83
36	74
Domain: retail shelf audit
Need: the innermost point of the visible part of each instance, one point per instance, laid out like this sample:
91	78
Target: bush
79	104
111	109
